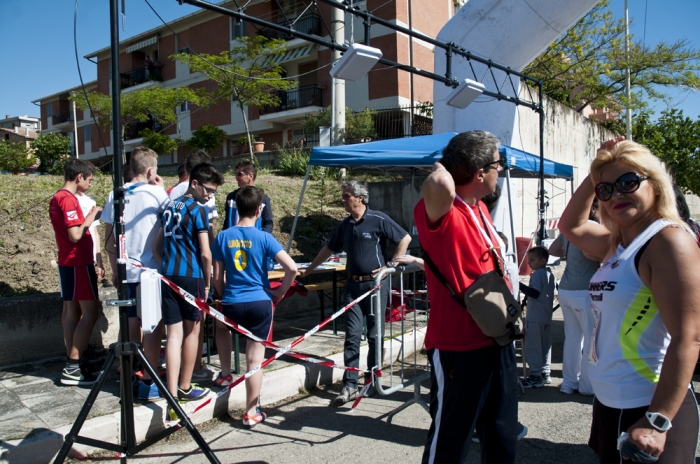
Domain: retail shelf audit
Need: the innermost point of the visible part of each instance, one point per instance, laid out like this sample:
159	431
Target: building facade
145	61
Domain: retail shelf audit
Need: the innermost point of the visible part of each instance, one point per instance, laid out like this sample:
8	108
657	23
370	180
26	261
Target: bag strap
438	275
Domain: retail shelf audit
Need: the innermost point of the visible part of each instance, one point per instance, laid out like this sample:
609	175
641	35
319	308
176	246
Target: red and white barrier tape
277	355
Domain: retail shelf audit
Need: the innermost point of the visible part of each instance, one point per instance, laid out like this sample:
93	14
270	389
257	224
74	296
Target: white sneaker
566	390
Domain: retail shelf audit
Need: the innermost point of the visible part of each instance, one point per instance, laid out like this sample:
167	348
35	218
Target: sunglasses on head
500	161
626	183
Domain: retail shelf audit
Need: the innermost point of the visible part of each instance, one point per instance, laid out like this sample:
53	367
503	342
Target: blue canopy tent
416	154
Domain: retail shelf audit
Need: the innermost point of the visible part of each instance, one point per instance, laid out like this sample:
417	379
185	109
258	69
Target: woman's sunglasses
626	183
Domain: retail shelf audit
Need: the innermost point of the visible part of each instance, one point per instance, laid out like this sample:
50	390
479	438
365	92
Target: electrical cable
228	71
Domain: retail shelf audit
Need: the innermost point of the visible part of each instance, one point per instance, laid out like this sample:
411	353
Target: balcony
64	117
133	129
140	75
290	100
308	24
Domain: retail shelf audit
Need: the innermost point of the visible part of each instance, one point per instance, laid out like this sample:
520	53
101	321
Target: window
185	107
49	109
184	50
238	29
298	134
87	136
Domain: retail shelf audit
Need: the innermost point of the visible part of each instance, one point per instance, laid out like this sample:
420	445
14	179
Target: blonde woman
645	305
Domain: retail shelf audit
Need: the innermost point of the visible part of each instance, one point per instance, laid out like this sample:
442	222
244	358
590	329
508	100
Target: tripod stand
124	348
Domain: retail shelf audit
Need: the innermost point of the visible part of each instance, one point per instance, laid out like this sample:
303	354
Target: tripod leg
128	431
89	402
176	407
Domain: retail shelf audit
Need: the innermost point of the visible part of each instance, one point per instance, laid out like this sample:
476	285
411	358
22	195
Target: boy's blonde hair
142	158
647	164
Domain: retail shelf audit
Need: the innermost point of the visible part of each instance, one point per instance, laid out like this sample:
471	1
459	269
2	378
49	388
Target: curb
277	385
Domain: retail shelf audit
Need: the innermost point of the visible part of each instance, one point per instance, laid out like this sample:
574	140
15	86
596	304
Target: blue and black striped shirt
183	220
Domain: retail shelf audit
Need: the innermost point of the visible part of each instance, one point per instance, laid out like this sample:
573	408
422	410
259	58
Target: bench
320	288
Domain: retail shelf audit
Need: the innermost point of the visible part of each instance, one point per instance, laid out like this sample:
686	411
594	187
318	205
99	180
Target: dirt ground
28	246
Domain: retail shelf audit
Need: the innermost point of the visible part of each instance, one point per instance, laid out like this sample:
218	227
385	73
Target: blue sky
39	57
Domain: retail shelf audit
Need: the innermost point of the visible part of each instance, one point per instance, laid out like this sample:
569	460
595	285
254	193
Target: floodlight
356	62
466	93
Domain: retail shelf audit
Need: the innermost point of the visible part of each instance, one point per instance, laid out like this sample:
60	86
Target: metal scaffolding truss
504	79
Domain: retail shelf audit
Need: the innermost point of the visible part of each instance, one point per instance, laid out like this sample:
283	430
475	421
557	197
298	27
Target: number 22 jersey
183	220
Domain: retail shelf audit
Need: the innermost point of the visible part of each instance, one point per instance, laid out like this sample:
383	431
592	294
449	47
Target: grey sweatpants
538	347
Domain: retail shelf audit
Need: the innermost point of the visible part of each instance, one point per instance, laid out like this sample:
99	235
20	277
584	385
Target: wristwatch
658	421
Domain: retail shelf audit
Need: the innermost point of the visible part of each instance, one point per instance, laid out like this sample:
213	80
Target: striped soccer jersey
183	220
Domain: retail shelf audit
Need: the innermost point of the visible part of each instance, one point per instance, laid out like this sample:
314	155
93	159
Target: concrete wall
30	327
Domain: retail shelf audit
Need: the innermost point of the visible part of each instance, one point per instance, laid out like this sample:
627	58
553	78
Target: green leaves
587	66
53	151
207	137
675	139
15	156
359	126
158	142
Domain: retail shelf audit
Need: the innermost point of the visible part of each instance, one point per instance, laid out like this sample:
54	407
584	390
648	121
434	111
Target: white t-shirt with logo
181	188
141	218
86	205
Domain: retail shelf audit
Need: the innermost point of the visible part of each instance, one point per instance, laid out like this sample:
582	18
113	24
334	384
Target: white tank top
629	339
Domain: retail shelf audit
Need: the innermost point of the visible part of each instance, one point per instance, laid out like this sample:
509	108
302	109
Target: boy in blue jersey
183	244
241	253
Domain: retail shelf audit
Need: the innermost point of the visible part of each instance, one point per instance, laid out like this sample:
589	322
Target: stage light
356	62
466	93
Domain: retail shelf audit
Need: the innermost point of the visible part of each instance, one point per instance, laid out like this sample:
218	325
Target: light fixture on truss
466	93
356	62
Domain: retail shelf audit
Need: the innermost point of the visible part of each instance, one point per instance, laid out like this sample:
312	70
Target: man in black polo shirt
363	236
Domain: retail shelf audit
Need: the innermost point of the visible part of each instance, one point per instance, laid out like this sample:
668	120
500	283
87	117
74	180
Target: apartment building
21	129
144	61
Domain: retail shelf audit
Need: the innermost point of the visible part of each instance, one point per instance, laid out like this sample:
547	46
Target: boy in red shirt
76	268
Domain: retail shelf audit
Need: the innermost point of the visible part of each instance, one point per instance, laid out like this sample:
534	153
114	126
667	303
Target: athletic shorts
681	439
175	308
131	293
78	283
256	316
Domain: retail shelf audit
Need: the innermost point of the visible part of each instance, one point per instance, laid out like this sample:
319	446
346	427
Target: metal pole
541	233
512	225
629	79
410	63
296	216
75	127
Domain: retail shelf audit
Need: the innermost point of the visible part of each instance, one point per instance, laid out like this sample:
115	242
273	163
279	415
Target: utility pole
629	80
337	85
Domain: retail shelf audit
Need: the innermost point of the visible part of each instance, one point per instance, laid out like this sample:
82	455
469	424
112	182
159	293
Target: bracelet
207	288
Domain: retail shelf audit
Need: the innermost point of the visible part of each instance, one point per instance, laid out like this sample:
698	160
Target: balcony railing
62	117
307	24
133	129
140	75
308	95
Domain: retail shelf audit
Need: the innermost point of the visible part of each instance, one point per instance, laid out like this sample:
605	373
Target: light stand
124	348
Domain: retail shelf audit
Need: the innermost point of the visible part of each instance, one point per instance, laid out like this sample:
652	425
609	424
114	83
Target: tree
588	65
244	74
15	156
208	138
53	151
158	142
359	125
675	139
151	104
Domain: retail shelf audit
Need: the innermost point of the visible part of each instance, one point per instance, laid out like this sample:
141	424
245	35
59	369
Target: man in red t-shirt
474	380
76	268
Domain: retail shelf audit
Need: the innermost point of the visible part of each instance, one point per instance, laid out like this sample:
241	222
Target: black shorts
78	283
175	308
681	439
255	316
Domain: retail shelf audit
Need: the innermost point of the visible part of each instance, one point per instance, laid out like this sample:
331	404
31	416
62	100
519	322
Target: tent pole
296	216
512	225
